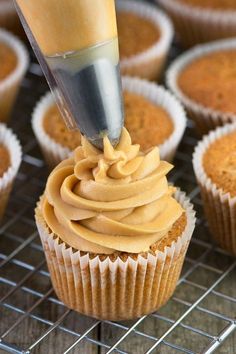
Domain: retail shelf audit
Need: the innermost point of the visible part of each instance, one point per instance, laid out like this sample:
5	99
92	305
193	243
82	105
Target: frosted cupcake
198	21
145	35
214	162
204	80
10	159
114	235
152	115
13	66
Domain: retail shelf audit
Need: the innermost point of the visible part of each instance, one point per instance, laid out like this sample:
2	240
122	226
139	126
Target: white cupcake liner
196	25
10	141
158	95
149	64
53	152
204	118
9	87
219	206
115	289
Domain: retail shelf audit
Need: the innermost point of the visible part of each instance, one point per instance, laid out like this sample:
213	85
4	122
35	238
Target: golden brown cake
112	214
211	81
13	65
8	61
219	163
55	127
136	34
147	123
5	160
214	164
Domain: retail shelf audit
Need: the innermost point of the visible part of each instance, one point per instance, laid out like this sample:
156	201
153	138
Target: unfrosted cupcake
152	115
10	159
205	82
214	163
198	21
114	236
145	35
13	65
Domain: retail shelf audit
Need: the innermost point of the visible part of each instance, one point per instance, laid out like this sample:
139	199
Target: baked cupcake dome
214	162
108	257
54	152
10	142
204	115
9	86
149	63
197	22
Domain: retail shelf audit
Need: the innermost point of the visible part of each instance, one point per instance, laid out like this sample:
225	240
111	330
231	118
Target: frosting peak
117	199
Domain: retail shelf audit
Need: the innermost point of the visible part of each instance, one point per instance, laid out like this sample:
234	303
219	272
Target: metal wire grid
199	317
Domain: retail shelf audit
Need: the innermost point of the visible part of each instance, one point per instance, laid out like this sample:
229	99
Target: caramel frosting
115	200
61	26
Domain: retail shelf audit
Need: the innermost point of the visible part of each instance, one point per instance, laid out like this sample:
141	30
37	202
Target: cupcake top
219	162
148	124
5	160
136	34
115	200
8	60
211	4
55	127
210	80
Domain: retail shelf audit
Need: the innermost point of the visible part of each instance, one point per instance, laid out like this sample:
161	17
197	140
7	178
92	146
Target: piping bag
76	44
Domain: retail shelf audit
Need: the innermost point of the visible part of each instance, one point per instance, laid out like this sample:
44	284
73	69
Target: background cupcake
10	159
9	18
214	162
13	65
145	35
122	254
204	80
198	21
152	115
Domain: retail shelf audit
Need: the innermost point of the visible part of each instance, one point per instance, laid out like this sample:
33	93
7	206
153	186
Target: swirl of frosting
115	200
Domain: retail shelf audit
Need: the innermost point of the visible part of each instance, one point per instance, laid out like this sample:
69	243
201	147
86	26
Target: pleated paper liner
148	64
54	152
219	206
9	87
115	289
205	118
196	25
11	143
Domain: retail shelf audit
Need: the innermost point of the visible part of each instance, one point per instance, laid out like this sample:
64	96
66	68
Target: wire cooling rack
198	318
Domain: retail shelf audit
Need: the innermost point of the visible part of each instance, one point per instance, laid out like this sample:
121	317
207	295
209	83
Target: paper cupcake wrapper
148	64
196	25
53	152
115	289
205	118
9	87
158	95
219	207
10	141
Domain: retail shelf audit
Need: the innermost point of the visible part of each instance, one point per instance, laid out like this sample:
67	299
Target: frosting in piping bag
115	200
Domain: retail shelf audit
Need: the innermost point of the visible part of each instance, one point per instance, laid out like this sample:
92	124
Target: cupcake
204	80
152	115
13	66
9	18
214	162
10	159
114	232
145	35
198	21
